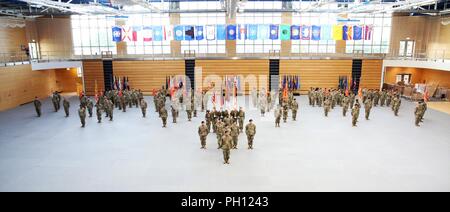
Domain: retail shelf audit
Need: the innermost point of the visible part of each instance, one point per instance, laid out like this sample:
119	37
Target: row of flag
120	83
242	32
290	82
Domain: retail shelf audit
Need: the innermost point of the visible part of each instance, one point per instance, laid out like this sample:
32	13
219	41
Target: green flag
285	32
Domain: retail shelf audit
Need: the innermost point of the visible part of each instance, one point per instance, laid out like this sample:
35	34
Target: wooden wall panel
255	71
68	80
55	36
11	39
317	73
371	74
20	85
92	72
419	75
148	75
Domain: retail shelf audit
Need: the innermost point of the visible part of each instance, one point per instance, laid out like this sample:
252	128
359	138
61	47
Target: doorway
406	49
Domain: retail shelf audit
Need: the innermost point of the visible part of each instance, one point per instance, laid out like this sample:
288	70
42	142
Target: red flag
426	96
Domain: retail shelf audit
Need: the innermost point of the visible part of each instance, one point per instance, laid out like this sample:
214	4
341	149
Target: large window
92	35
258	46
313	46
148	47
381	35
203	46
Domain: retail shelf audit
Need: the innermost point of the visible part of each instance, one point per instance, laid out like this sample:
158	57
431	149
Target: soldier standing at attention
388	99
241	117
163	115
58	99
250	130
66	105
220	127
352	99
383	96
90	107
376	98
55	101
368	107
326	106
110	106
226	146
277	116
418	112
83	101
345	104
396	104
203	133
37	106
355	113
424	105
82	114
143	104
99	112
123	102
174	114
234	134
208	120
189	110
294	108
285	111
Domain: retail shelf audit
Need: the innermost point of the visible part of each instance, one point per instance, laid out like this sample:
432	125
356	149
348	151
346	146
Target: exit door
406	48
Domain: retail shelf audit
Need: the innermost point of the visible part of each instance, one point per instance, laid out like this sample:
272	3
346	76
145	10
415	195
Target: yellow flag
337	32
96	91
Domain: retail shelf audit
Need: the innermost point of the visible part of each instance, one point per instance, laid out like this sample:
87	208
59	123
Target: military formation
229	125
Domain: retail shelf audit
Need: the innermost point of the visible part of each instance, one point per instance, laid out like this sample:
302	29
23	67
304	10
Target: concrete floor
387	153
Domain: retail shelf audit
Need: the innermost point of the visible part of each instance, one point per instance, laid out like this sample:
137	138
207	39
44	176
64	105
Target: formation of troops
228	125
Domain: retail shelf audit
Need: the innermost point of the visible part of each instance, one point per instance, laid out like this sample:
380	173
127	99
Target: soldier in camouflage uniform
99	112
396	105
285	111
226	146
90	106
368	107
174	114
208	119
163	115
82	114
55	101
355	113
250	130
143	107
277	116
37	106
327	106
66	105
220	127
203	133
294	108
241	117
345	105
418	112
234	134
383	97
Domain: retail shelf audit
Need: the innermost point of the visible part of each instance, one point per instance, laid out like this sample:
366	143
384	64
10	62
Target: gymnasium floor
315	153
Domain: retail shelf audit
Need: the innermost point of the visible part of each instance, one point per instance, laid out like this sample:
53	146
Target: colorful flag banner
347	31
368	30
242	31
357	32
337	32
127	34
274	32
263	32
306	32
285	32
252	31
326	32
168	33
199	33
117	34
179	33
147	34
295	32
231	32
137	34
210	32
158	33
221	32
315	32
189	33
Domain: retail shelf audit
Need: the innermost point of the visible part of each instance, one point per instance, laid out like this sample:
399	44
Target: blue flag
242	31
345	32
357	33
295	32
274	32
306	32
199	33
231	32
188	33
315	35
263	32
221	33
117	34
157	33
179	33
252	31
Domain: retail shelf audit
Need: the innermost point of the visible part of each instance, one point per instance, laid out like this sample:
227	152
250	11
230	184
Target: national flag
158	34
147	34
242	31
116	34
252	31
295	32
168	33
426	95
306	32
315	32
127	34
210	32
221	32
136	33
337	32
199	33
179	33
213	99
326	32
189	33
347	31
360	93
231	32
263	32
357	32
274	32
285	32
368	31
